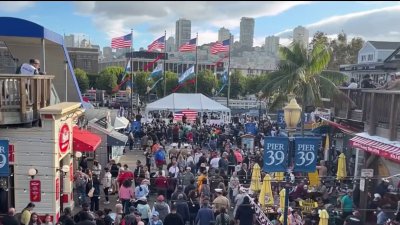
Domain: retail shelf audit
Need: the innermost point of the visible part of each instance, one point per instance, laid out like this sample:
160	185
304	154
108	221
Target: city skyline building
301	35
69	40
247	32
183	30
272	44
170	44
223	34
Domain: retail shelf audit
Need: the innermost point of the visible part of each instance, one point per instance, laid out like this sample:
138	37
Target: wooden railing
378	109
22	96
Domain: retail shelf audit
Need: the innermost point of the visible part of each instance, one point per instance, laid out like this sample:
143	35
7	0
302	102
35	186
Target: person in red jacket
125	175
161	183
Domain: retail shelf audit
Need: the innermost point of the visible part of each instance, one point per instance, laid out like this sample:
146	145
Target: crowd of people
199	175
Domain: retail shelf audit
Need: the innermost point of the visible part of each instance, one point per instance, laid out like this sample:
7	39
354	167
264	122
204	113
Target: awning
115	138
344	128
121	123
376	147
85	141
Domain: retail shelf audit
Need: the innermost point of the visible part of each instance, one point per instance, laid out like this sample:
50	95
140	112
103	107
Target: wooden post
363	117
35	97
22	102
393	118
372	115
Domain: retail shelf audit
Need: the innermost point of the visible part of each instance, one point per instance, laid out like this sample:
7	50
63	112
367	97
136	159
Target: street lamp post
259	109
292	113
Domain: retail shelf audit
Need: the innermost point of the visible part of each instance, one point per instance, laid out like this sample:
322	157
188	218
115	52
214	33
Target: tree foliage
343	51
82	78
108	78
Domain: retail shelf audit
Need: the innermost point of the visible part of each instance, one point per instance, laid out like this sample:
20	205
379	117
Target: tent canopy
27	40
179	101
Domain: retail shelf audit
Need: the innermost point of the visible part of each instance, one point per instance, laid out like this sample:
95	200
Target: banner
4	169
280	119
251	128
275	154
136	126
306	150
35	191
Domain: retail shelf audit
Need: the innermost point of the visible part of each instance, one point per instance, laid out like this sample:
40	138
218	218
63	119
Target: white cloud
376	24
118	17
15	6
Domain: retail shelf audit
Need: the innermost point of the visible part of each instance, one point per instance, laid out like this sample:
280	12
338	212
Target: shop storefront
388	152
44	159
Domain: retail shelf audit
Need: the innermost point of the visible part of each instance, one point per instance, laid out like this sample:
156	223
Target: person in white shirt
353	83
96	168
214	163
106	184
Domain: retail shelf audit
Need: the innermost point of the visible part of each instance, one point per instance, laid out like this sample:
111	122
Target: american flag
158	44
122	42
189	46
190	115
220	47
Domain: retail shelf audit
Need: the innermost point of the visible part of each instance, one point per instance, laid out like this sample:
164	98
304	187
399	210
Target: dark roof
385	44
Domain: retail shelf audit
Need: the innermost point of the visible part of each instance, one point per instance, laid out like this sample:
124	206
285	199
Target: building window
370	57
363	58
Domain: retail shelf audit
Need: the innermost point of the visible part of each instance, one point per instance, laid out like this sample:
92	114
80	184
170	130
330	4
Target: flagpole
229	76
130	61
165	50
196	69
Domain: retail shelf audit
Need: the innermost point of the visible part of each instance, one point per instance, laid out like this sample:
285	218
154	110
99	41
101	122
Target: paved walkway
129	158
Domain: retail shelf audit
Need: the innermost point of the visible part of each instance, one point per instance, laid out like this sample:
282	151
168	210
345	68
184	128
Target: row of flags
159	44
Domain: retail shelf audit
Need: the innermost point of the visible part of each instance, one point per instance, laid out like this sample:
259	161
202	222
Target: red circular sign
63	138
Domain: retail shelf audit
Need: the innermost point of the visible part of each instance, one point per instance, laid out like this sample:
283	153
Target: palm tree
302	73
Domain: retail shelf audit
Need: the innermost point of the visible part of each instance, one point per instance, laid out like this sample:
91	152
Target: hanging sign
35	190
306	150
64	138
275	154
4	158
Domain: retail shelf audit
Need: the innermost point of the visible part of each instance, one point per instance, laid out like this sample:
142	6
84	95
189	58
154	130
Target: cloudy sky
100	21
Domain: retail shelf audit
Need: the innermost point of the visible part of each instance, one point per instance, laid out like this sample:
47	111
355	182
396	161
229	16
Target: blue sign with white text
275	154
280	119
4	170
306	154
251	128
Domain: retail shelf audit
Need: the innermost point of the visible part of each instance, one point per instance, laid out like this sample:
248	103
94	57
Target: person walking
222	218
126	194
10	219
107	183
245	213
26	214
205	215
173	218
94	199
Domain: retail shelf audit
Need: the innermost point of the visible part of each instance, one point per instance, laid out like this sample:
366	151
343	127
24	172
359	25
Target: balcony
22	96
378	109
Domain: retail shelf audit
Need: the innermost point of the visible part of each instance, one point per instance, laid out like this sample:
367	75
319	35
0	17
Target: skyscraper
246	32
300	35
170	44
69	40
223	34
183	31
272	44
107	52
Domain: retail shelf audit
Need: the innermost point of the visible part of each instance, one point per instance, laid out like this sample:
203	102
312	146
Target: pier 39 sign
276	153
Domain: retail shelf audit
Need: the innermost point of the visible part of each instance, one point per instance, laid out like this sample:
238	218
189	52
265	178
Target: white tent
179	101
120	123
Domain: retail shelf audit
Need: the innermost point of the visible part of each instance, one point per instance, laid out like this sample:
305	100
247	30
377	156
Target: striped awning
376	147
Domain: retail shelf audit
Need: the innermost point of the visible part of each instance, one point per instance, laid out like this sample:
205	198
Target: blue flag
186	75
157	71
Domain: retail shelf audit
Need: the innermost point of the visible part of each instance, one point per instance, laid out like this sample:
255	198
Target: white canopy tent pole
43	56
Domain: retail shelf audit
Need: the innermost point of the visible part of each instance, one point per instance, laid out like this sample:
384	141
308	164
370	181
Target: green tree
319	37
141	80
302	73
206	82
171	83
82	78
344	52
108	78
237	81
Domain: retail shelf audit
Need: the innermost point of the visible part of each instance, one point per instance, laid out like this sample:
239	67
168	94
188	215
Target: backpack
160	155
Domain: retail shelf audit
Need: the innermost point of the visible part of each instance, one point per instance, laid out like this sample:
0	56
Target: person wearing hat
182	208
155	220
161	207
173	218
245	214
144	209
187	176
354	219
220	200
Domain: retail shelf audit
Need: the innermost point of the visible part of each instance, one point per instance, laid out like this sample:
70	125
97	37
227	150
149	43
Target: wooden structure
22	96
377	109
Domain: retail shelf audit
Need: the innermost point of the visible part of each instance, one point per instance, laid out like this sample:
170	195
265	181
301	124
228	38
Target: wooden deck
22	96
378	109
